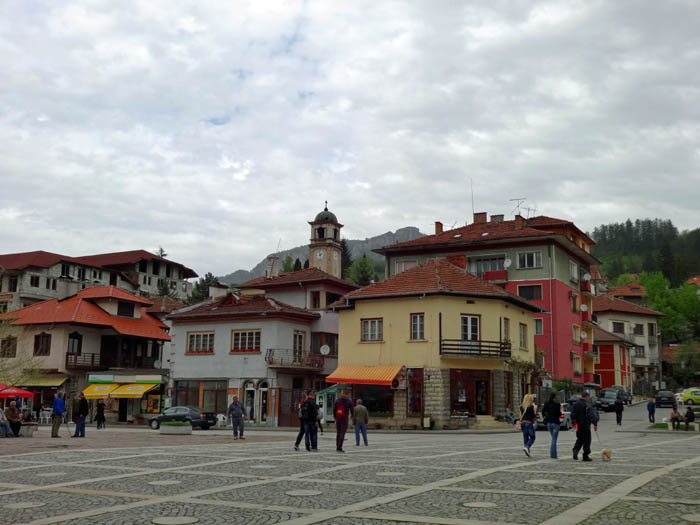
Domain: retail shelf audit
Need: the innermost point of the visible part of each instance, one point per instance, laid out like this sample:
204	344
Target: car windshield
610	395
664	393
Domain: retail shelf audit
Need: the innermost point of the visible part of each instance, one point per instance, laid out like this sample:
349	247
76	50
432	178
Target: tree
686	364
161	252
288	264
362	271
306	263
668	265
345	258
379	269
201	288
297	265
24	366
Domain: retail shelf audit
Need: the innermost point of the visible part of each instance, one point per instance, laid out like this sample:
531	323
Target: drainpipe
551	310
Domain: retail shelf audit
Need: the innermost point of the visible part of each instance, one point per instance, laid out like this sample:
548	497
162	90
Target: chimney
519	222
458	259
497	218
438	227
272	268
480	217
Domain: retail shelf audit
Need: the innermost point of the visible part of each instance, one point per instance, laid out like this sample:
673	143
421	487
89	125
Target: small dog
606	455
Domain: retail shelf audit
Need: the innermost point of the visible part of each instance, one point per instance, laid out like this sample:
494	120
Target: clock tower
324	249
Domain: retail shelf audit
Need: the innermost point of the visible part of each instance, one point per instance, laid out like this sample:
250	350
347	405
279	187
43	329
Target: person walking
309	415
527	422
342	409
619	408
689	417
83	411
551	412
302	429
236	412
674	416
651	408
360	418
13	417
4	425
583	415
59	408
100	414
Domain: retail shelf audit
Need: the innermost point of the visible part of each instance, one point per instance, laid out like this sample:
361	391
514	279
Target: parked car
194	416
678	396
564	419
607	400
665	398
691	396
626	397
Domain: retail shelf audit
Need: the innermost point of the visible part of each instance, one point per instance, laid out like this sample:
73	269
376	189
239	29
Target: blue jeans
5	430
310	435
80	427
528	433
237	424
554	431
360	427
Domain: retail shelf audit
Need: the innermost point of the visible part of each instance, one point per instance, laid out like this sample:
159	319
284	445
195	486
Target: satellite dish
584	308
157	363
507	263
586	276
584	335
325	350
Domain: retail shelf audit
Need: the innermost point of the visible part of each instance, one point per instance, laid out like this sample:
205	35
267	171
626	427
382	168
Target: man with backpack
309	415
302	430
342	409
583	415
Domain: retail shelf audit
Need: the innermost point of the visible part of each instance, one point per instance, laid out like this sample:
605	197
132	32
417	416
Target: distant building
613	360
632	292
30	277
544	260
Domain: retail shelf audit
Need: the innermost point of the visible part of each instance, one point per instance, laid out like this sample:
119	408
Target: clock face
320	254
335	256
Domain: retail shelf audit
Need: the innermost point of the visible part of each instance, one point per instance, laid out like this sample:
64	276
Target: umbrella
13	391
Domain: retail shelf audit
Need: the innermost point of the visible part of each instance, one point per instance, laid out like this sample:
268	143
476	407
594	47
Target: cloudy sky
215	129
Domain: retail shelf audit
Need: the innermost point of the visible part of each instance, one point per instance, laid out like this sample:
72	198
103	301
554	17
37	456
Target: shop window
187	393
458	392
245	341
200	342
125	309
530	292
75	343
378	399
414	378
214	396
8	347
417	327
372	329
42	344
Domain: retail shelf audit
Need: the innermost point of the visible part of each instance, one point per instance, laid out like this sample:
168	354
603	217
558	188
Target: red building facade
613	360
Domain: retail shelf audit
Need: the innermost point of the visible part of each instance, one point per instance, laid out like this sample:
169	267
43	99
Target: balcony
496	275
589	378
84	362
293	359
587	347
586	286
653	340
586	316
475	348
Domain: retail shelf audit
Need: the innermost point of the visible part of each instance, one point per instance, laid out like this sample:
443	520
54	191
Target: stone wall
498	399
437	395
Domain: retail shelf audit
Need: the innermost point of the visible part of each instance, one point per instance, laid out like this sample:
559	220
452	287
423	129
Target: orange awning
365	375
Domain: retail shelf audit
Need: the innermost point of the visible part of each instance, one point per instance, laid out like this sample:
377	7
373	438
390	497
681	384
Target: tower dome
326	216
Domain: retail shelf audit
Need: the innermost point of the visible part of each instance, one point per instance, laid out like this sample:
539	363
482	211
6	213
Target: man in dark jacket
583	415
619	407
551	412
651	408
689	417
309	415
83	411
302	429
236	412
342	410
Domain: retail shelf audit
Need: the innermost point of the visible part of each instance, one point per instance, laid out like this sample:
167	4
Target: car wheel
154	424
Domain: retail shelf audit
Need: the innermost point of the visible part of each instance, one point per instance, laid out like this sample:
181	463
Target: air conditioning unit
399	383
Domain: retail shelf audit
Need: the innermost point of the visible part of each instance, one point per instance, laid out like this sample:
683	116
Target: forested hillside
649	245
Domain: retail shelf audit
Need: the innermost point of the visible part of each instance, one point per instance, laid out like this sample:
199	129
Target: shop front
44	387
127	398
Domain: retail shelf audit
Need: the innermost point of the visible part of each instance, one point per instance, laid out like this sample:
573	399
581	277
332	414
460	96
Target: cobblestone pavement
400	478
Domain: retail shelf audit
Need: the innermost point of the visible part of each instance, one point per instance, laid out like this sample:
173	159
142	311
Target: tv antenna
471	183
518	203
531	210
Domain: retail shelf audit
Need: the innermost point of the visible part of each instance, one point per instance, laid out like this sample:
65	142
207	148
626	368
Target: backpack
340	411
307	412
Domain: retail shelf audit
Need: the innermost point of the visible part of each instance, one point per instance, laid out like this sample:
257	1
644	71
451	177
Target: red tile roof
694	280
129	257
608	303
669	352
233	305
307	275
436	277
81	309
164	305
603	336
37	259
628	290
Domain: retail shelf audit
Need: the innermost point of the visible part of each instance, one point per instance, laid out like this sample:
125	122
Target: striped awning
365	375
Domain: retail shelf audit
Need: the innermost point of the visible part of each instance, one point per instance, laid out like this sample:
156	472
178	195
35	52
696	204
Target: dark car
627	397
607	400
194	416
665	398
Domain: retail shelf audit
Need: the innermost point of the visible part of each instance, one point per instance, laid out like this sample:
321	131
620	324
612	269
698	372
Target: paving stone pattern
400	478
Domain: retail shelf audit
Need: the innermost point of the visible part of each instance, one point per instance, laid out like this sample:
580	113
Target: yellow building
435	341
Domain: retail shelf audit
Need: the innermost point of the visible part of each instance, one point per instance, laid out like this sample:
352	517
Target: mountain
358	248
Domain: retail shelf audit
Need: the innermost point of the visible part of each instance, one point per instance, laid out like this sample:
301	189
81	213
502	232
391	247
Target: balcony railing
474	348
84	362
653	340
289	358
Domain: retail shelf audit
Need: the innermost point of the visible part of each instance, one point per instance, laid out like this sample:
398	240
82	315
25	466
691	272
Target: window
53	284
81	273
95	274
155	268
1	279
65	270
12	283
652	329
8	347
417	327
320	233
530	292
530	260
577	364
538	327
34	281
414	380
402	266
523	336
596	354
125	309
75	343
42	344
577	334
372	329
315	300
639	351
379	400
200	342
167	270
574	303
298	347
638	329
470	328
618	327
573	271
487	264
506	329
245	341
318	339
4	306
143	266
